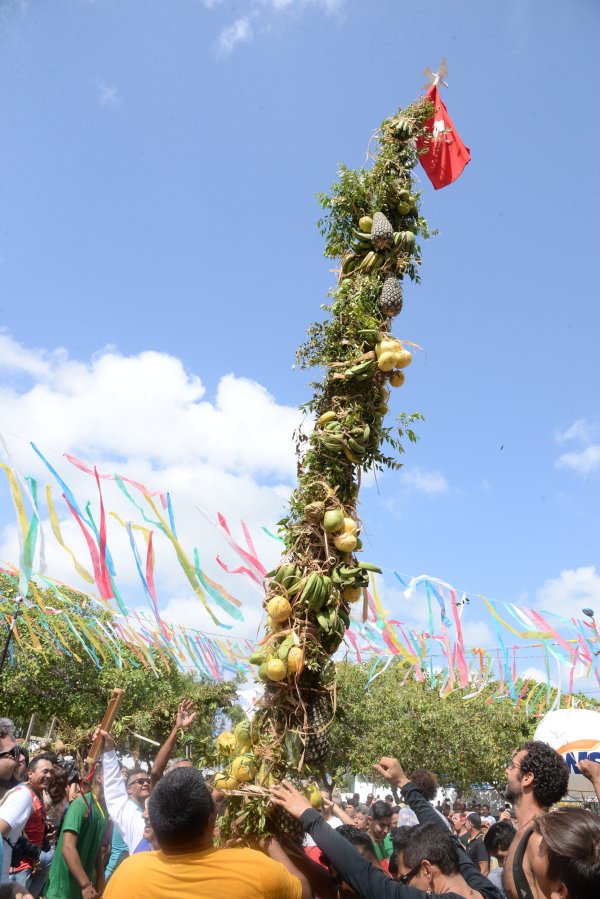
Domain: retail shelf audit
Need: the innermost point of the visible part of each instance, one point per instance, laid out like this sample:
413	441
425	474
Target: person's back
182	814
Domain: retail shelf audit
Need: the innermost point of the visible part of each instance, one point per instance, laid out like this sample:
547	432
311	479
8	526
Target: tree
464	741
51	684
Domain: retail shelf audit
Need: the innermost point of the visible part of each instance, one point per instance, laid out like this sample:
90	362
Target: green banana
369	566
362	235
323	622
355	445
309	588
326	417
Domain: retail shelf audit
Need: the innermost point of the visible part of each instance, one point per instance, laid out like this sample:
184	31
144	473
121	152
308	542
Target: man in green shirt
77	871
380	823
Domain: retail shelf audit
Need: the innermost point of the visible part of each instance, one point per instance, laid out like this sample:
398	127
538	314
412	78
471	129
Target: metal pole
18	600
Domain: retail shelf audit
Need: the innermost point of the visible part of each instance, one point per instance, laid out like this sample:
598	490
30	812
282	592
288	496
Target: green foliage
52	684
463	742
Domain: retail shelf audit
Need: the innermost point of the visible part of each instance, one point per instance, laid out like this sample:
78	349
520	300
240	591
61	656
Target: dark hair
358	838
475	819
572	839
434	843
180	808
57	788
400	837
379	810
426	783
34	762
133	773
550	772
49	756
499	837
24	752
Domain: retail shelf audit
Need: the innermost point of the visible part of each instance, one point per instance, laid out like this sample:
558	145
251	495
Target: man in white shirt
17	802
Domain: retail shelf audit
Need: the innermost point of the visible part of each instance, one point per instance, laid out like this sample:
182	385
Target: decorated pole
372	223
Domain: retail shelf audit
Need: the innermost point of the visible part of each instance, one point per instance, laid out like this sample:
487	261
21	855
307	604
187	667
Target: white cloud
14	357
423	481
259	14
239	32
584	462
570	592
147	418
109	95
587	459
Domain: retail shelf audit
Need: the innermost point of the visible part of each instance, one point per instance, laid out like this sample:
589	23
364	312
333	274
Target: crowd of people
130	833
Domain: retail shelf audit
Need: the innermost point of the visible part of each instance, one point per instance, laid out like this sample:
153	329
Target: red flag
446	155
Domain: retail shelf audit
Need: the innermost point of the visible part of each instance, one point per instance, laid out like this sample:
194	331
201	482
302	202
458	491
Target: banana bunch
355	262
316	592
405	240
334	620
352	441
361	371
288	576
357	576
402	128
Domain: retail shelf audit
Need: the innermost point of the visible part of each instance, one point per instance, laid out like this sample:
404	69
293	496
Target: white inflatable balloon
575	734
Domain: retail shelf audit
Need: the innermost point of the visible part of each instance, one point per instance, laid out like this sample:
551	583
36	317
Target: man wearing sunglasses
17	802
125	800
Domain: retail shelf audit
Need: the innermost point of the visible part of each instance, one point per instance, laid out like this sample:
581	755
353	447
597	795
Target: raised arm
185	716
392	771
124	813
591	770
365	879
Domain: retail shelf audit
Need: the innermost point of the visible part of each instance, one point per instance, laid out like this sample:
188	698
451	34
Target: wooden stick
29	729
106	724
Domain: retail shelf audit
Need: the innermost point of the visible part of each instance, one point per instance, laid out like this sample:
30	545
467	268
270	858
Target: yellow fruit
350	526
365	223
295	660
313	794
404	358
387	361
225	781
276	670
352	594
387	345
397	378
243	768
272	623
279	609
226	742
346	543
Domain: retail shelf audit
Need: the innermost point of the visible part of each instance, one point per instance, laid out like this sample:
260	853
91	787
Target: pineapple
319	714
390	301
286	826
382	233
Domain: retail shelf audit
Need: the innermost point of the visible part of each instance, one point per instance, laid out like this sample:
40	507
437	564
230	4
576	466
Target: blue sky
159	252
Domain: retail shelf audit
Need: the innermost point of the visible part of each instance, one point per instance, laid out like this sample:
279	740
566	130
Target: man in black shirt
475	847
366	880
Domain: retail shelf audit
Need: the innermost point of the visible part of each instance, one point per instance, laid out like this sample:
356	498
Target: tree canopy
50	683
464	741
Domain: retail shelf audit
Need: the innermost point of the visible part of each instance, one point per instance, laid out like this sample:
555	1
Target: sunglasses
14	753
140	780
406	878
